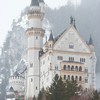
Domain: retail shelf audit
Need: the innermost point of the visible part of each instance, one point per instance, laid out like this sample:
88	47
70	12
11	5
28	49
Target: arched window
80	68
68	67
72	68
80	78
76	68
68	77
64	67
64	77
76	77
72	77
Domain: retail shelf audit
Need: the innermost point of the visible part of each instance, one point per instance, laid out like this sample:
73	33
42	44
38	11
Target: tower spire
51	37
90	40
72	21
34	3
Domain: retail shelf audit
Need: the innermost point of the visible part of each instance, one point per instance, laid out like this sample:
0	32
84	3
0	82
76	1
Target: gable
71	41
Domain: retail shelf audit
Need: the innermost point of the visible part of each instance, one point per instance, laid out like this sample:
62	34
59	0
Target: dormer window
71	46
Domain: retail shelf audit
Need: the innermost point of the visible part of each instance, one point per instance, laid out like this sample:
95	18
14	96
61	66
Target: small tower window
36	88
36	37
50	45
31	80
31	64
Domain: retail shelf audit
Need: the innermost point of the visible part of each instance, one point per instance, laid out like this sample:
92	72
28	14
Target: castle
67	55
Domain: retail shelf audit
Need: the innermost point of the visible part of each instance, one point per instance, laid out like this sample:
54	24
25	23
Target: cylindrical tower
35	35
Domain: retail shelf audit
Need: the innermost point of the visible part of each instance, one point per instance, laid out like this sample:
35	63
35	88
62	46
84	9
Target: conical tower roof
51	37
90	40
11	89
41	1
34	3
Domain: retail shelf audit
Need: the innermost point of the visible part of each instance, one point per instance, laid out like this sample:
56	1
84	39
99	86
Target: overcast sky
11	9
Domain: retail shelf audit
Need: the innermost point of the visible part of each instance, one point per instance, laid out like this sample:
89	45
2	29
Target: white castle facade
67	55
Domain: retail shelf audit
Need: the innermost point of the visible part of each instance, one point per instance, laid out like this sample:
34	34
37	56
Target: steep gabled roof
82	46
11	89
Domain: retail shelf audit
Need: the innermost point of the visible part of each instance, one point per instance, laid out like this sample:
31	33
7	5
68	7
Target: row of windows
16	77
61	58
16	82
72	68
82	59
70	58
72	77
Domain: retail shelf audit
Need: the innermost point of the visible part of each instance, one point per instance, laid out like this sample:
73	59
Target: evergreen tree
57	90
34	98
96	95
41	95
72	88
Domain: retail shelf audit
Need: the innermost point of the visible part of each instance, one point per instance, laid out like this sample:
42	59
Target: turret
35	35
90	43
50	41
42	5
72	22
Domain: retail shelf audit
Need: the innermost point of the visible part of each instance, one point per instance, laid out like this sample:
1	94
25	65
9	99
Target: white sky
11	9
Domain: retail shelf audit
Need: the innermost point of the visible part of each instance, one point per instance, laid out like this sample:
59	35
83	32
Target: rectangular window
31	80
64	77
71	46
86	70
31	64
86	80
71	58
43	62
36	37
82	59
60	58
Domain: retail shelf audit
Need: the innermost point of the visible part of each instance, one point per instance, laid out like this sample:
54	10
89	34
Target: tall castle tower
35	35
